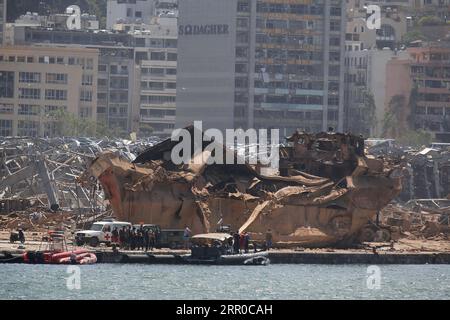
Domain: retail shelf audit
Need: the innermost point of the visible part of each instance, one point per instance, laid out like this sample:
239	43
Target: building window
53	94
89	64
171	56
6	84
86	95
87	80
140	42
335	25
57	78
171	85
6	108
156	43
170	43
28	110
29	77
243	7
171	71
156	86
5	128
29	93
159	56
242	22
85	112
138	14
49	109
102	67
27	128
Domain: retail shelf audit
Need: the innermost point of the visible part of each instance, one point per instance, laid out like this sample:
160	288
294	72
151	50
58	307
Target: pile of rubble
427	170
417	219
40	171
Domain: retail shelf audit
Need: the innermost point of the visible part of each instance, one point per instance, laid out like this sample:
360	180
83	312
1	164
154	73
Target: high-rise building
129	11
2	21
365	83
423	83
118	96
36	81
261	64
156	54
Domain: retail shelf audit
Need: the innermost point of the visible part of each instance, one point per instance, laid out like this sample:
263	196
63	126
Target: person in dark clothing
140	237
151	239
268	239
122	237
236	243
246	241
133	239
146	239
21	236
115	236
127	238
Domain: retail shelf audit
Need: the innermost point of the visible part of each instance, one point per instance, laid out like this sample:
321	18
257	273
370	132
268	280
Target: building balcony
157	119
442	104
290	106
434	90
171	92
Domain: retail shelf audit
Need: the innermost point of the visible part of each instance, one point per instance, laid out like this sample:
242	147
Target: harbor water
116	281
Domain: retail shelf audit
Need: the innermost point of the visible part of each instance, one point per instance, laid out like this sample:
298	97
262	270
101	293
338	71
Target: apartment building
430	74
156	55
129	12
394	22
36	81
365	78
122	88
2	21
118	95
261	64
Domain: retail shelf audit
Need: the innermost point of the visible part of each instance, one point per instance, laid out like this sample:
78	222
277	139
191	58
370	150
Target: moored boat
216	248
55	251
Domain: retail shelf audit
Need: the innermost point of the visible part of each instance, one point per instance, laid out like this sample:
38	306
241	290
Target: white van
100	232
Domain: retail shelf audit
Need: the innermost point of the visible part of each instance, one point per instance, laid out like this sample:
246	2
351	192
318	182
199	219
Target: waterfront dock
403	251
293	257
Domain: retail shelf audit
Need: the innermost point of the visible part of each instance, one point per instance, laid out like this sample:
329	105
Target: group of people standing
132	238
241	242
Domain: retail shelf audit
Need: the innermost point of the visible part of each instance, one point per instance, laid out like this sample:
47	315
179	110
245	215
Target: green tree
145	130
412	35
68	124
430	21
392	117
415	138
369	111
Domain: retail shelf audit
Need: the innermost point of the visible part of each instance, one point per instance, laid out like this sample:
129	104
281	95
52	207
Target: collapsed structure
426	173
325	194
42	172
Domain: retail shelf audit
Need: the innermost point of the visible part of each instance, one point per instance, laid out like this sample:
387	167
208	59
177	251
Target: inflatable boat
214	248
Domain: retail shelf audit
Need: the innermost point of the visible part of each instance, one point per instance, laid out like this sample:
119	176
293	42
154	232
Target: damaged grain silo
327	191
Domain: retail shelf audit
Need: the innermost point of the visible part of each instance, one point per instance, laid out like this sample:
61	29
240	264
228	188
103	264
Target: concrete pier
297	258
